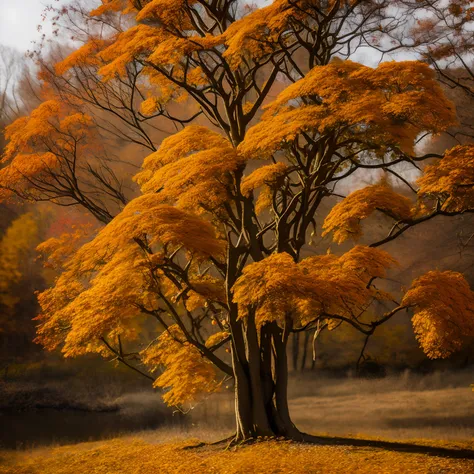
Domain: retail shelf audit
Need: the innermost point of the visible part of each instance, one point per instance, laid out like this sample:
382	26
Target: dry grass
438	406
133	455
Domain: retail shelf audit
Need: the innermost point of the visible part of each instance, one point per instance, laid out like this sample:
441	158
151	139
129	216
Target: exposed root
214	443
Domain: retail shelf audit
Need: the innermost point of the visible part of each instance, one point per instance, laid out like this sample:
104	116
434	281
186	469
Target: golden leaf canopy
451	179
36	143
109	278
77	313
49	120
158	48
86	55
344	218
187	374
443	306
146	217
264	29
138	40
383	108
278	288
264	176
114	6
192	168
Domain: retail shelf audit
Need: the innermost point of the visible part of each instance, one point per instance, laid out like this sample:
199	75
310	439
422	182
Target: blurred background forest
32	378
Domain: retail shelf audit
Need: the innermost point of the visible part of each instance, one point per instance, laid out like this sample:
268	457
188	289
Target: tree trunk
261	384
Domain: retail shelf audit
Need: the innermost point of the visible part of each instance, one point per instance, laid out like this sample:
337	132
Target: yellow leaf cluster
78	311
264	176
264	29
171	13
86	55
51	126
106	280
56	251
205	288
277	287
256	34
113	6
126	46
150	106
187	374
146	217
193	168
443	307
389	106
158	47
451	179
344	218
216	338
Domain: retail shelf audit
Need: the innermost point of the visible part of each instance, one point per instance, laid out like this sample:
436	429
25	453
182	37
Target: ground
405	408
146	454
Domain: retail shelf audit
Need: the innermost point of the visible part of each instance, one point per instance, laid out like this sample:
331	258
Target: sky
19	20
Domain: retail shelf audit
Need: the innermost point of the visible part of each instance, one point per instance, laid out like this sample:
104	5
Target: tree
17	279
214	249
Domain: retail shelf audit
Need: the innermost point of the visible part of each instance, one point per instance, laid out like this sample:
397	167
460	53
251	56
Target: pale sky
19	20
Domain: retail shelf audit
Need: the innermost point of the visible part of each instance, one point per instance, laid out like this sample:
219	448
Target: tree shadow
391	446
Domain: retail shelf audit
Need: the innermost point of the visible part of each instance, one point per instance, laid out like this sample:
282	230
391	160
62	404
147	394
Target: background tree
214	250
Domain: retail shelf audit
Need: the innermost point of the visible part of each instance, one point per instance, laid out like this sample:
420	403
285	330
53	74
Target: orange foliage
451	179
263	176
187	374
383	107
443	305
192	168
37	144
58	250
128	45
113	6
86	55
108	278
344	218
279	288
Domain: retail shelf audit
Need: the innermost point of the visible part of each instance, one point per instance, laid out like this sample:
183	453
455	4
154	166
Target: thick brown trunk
260	416
243	411
261	399
280	341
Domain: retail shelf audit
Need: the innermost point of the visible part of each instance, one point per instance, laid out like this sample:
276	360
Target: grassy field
437	406
407	409
156	453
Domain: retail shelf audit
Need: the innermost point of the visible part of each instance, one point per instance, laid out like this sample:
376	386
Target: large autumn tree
215	250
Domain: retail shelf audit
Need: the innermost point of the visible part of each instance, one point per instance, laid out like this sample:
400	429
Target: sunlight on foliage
389	106
344	218
451	179
443	304
278	287
192	169
187	374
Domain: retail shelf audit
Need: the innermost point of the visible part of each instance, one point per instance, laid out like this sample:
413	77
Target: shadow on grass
392	446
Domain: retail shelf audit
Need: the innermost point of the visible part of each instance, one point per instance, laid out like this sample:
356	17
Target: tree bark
261	384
